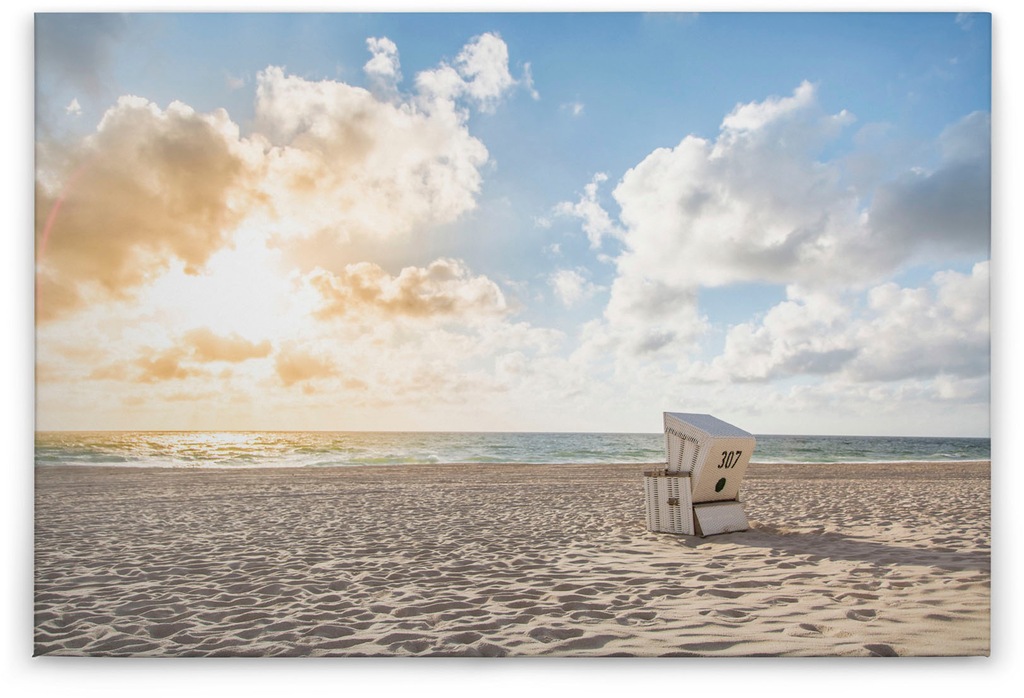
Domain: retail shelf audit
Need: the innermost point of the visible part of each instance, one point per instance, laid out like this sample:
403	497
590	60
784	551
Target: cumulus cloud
170	214
752	205
939	330
483	63
948	207
383	69
326	161
297	366
807	334
757	115
445	289
210	346
596	221
759	204
480	74
926	332
343	161
183	359
165	365
571	287
150	186
645	315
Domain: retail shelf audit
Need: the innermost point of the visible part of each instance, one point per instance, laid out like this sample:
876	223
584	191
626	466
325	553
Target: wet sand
507	560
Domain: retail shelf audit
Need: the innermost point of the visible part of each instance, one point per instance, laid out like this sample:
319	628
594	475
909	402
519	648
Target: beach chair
697	493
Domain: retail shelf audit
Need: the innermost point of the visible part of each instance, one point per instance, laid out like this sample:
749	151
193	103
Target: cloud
757	115
342	161
164	366
597	223
297	366
939	330
73	108
149	187
949	207
154	228
383	69
759	204
326	161
234	83
209	346
808	334
480	74
114	372
645	314
484	64
754	205
571	287
445	289
927	332
527	82
574	109
182	360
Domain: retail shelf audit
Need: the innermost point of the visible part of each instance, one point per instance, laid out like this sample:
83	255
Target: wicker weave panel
669	506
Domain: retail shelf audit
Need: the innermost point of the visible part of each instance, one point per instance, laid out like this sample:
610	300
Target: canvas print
512	335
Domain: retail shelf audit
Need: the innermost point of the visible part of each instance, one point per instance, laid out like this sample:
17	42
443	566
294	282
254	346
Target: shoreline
522	560
756	465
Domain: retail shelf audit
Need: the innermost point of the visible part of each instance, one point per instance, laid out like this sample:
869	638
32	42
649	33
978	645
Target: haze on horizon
495	222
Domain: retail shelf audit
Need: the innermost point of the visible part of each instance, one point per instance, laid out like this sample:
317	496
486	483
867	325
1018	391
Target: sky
513	222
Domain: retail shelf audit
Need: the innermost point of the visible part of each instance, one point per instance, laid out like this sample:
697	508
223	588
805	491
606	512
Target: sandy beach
507	560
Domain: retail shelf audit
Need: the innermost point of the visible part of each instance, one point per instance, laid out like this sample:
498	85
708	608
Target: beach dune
507	560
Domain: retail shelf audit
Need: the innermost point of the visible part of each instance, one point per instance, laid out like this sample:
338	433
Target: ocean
262	449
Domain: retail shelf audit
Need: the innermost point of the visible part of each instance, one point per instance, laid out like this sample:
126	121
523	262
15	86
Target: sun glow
242	290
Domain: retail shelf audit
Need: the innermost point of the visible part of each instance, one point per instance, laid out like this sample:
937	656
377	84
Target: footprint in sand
814	630
548	634
466	638
411	646
723	593
861	614
162	630
398	638
855	597
712	646
868	586
591	616
728	615
637	618
487	649
590	642
331	631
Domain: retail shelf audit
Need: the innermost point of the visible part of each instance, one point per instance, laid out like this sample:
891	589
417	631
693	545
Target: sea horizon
268	448
467	431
